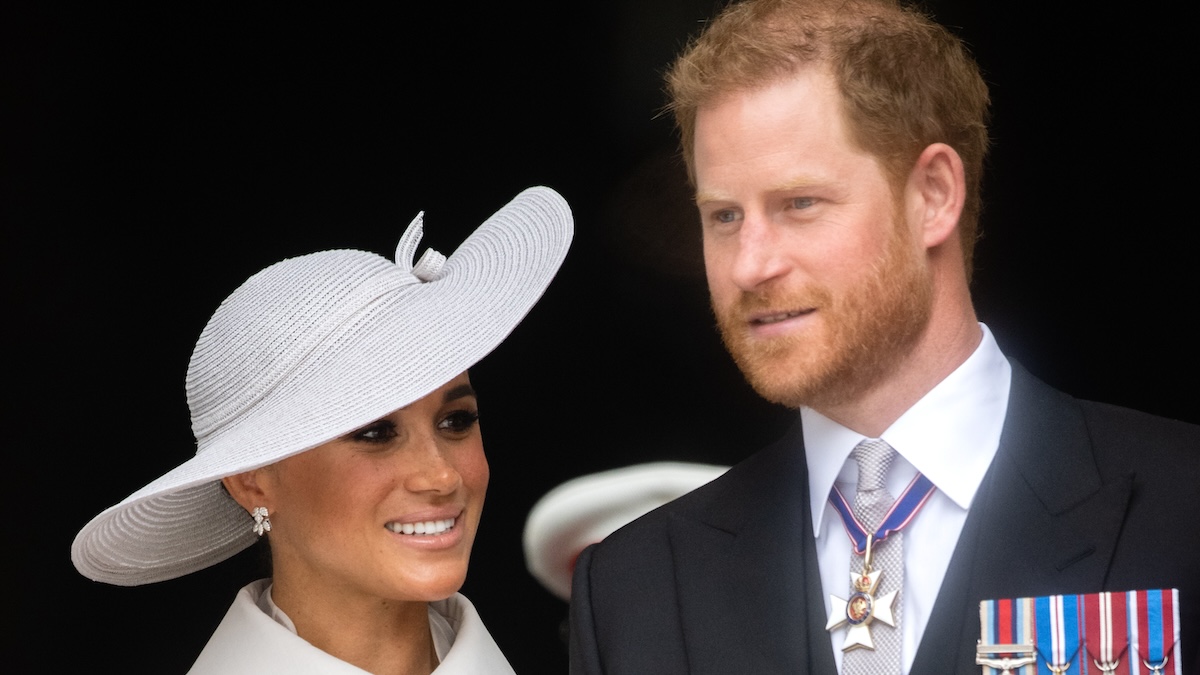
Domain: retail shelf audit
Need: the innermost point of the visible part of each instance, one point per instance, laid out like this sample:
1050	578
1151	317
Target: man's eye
376	432
459	421
725	216
802	202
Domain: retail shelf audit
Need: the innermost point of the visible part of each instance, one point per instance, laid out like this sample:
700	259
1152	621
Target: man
836	148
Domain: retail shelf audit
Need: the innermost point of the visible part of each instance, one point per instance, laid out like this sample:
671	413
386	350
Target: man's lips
766	319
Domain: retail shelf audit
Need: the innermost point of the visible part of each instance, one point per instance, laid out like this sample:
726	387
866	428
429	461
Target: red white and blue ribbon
1110	633
1058	636
1154	631
903	510
1006	624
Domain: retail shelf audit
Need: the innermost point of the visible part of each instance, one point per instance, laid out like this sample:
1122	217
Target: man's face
818	282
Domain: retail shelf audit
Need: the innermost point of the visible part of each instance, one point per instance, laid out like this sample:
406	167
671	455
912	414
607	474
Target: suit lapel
1042	523
764	613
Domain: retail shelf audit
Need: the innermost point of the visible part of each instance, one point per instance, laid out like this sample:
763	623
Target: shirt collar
950	434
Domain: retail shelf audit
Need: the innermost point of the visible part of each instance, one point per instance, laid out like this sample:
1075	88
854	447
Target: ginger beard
862	332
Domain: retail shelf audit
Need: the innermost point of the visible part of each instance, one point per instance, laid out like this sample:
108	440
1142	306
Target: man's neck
943	348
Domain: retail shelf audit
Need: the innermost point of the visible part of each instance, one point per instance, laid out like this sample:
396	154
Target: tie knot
874	457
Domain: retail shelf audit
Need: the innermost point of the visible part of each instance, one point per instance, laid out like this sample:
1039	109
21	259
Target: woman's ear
247	489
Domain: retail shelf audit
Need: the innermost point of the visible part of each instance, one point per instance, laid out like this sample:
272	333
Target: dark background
153	158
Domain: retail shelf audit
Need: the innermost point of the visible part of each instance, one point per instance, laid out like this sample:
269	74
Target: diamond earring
262	523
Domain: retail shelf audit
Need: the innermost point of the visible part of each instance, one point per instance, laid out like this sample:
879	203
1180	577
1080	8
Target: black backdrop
155	157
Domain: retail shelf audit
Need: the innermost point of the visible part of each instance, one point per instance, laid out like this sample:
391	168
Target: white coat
250	642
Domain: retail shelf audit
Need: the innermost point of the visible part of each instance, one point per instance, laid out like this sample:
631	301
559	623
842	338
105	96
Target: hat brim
587	509
184	521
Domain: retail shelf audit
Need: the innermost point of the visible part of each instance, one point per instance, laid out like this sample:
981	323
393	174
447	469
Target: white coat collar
249	642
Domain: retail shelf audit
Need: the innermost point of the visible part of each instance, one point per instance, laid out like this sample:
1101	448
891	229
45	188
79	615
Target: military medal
1107	633
1058	624
862	608
1007	643
1154	619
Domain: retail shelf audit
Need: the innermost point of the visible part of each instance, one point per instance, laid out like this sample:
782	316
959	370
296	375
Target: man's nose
759	253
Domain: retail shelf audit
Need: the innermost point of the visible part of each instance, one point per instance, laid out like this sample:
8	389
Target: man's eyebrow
797	183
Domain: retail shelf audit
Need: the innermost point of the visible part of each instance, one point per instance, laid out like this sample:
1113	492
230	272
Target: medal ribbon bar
1058	635
1007	644
1110	633
1106	621
1154	628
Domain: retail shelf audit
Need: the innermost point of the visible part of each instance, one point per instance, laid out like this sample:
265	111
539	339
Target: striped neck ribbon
903	510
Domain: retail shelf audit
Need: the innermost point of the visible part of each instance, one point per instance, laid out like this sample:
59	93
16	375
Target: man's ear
247	489
937	189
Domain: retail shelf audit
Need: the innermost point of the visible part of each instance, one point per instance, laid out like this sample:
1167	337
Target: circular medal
858	608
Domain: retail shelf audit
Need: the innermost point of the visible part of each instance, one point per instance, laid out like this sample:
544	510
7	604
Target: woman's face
389	510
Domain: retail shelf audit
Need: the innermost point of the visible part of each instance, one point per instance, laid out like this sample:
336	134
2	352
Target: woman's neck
381	636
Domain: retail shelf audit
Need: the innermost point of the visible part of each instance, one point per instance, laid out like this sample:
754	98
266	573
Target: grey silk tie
871	503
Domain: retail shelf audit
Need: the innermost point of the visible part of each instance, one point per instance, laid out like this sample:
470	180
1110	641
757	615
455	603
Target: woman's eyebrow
461	391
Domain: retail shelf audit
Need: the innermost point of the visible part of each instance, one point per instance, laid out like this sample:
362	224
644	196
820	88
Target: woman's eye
377	432
459	421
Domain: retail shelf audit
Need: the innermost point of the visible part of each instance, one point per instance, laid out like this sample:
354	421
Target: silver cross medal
862	607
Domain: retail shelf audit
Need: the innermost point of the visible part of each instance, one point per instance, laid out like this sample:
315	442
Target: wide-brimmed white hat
588	508
310	349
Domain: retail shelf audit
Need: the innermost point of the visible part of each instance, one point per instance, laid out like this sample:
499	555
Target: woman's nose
429	470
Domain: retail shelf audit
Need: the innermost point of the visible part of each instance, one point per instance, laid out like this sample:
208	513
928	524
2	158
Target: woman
334	416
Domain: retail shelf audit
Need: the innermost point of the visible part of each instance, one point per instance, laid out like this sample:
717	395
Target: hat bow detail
429	267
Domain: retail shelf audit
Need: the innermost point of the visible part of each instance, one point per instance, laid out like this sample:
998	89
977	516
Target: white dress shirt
950	435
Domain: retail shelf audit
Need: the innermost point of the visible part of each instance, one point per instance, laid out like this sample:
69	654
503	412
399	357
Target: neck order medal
862	607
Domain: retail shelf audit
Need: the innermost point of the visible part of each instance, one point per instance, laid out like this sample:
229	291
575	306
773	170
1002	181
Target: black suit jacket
1081	497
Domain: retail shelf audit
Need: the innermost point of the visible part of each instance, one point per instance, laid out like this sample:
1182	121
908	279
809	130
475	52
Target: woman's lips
431	531
426	527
